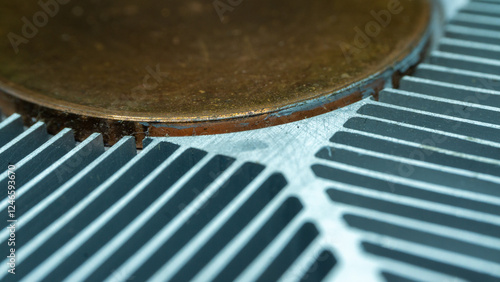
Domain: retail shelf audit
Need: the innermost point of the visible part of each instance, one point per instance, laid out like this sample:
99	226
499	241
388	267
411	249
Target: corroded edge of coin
115	127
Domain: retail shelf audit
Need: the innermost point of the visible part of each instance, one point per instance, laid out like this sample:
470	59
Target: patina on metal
157	68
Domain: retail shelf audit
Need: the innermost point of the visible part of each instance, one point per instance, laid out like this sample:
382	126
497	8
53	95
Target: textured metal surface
173	68
405	187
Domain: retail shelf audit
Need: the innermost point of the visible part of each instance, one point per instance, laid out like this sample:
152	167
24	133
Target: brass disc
160	67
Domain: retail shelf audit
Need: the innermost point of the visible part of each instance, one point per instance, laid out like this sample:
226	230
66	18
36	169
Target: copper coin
157	68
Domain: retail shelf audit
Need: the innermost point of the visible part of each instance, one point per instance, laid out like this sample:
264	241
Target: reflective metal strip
41	158
465	62
451	91
473	34
22	145
150	247
9	129
482	8
470	48
140	164
477	21
90	177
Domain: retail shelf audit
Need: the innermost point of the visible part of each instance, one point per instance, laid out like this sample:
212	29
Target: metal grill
403	188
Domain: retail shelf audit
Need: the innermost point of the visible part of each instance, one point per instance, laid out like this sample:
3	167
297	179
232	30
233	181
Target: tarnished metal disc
160	67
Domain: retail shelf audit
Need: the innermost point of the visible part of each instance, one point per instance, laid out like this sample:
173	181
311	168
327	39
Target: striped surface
84	212
403	188
421	167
